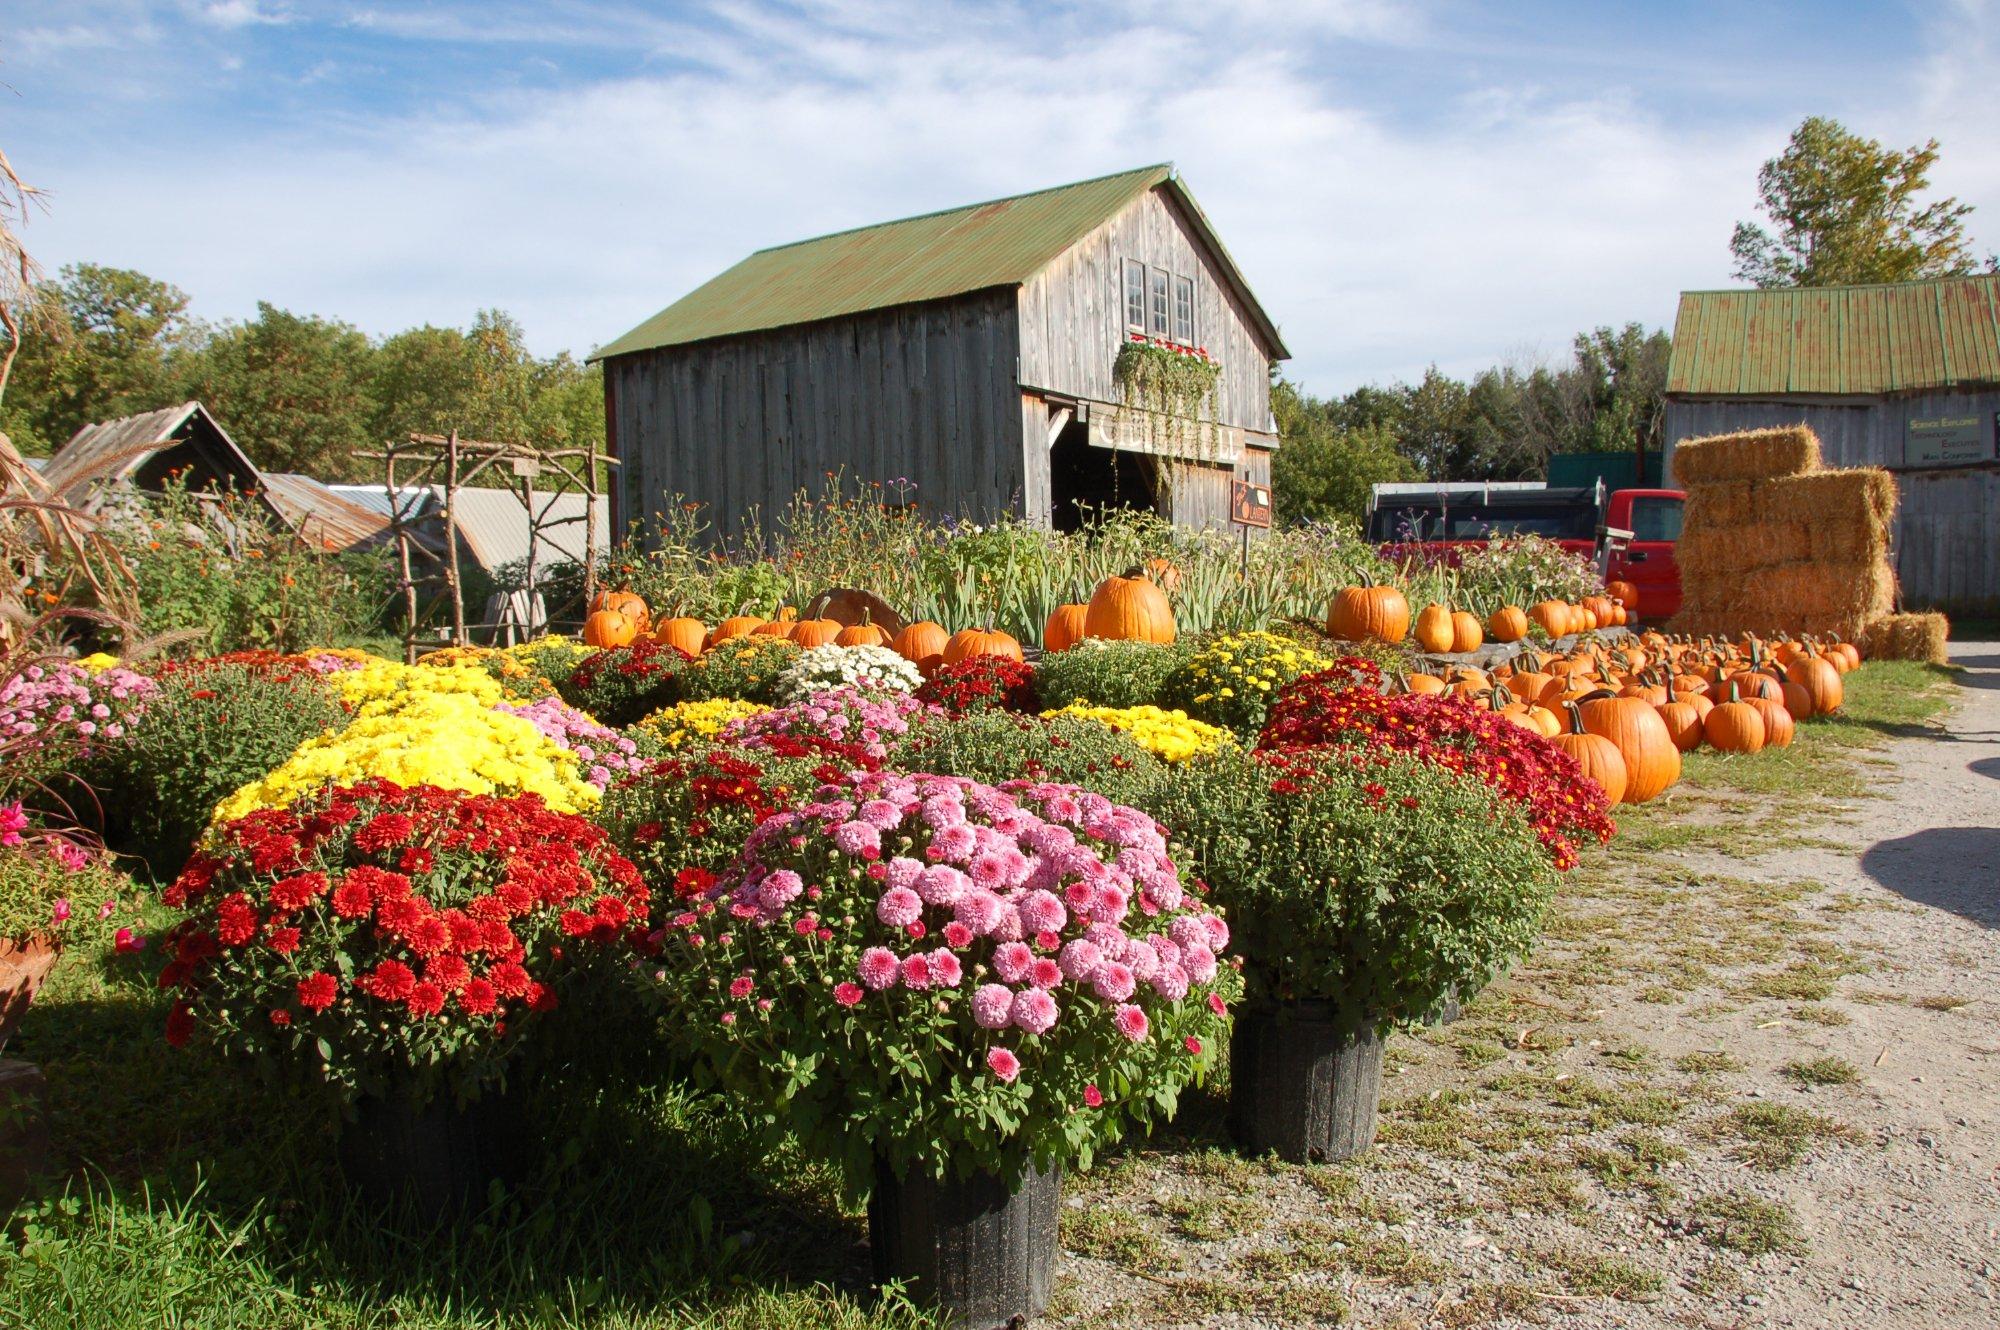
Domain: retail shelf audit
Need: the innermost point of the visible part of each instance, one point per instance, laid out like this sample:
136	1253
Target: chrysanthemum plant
952	977
384	940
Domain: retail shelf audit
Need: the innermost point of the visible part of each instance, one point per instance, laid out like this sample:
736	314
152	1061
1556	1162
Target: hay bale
1906	637
1757	454
1724	503
1856	496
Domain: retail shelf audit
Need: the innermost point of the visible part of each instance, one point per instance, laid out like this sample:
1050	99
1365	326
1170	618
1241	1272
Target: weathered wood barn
1905	377
969	351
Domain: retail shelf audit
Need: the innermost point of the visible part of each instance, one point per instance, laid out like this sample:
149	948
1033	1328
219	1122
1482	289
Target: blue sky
1404	182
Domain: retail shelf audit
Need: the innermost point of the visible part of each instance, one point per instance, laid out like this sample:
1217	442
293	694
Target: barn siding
925	392
1073	318
1947	538
1201	493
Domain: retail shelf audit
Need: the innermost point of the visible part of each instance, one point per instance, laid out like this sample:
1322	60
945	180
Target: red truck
1629	533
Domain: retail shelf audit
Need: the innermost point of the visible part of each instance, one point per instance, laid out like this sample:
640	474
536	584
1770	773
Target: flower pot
1302	1084
968	1247
24	965
436	1158
1447	1010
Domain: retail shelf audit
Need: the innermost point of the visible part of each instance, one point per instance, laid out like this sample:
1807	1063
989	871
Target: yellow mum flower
1173	736
686	722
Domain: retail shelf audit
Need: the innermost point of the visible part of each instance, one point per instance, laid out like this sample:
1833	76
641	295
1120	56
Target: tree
291	389
1322	470
109	354
1845	209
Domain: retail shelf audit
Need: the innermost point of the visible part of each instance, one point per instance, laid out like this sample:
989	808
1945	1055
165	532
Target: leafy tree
1845	209
108	354
290	388
1323	470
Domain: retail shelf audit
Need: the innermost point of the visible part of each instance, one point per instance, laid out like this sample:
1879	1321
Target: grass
1733	1221
1941	1002
1778	1135
1822	1071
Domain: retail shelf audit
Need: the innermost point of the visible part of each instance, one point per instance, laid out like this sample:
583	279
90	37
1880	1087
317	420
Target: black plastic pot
435	1160
1302	1084
970	1248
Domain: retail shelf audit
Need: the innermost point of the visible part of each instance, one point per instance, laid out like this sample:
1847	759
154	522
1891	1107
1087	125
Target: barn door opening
1083	479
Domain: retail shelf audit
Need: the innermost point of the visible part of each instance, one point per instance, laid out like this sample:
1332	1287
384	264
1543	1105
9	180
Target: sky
1404	182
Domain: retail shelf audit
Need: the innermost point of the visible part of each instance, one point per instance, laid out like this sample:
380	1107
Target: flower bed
1171	735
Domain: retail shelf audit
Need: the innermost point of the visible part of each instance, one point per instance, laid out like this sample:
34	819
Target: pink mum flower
1079	959
1044	973
1034	1011
847	995
1042	912
916	971
1113	981
879	967
945	969
993	1006
899	907
1092	1096
1003	1064
957	934
1011	961
1131	1022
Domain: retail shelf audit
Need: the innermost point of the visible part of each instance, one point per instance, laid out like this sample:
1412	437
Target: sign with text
1948	440
1249	503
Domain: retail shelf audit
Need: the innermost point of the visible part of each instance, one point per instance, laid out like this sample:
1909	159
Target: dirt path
1750	1078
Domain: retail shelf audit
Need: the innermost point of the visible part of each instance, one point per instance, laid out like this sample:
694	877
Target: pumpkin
1624	593
1652	762
1365	613
1065	627
922	644
1733	726
1164	574
773	628
1466	634
609	628
1433	633
1682	719
1597	755
1552	616
1127	609
969	642
625	602
1816	677
863	634
1796	700
1778	726
1509	623
736	625
690	635
810	633
1424	683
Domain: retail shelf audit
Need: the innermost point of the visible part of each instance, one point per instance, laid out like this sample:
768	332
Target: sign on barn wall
1948	441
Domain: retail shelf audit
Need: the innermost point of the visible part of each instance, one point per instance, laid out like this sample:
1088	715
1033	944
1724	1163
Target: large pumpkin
1553	616
736	625
609	628
969	642
1652	761
1509	623
1129	609
1778	726
1682	717
626	603
1369	613
1065	627
1597	755
1433	629
690	635
1819	680
922	644
1733	726
810	633
1465	632
863	634
1164	572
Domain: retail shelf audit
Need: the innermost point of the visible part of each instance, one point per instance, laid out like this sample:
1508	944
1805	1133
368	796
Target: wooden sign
1946	441
1249	503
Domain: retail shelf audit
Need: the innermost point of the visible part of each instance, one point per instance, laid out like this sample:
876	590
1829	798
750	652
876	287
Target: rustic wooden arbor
454	463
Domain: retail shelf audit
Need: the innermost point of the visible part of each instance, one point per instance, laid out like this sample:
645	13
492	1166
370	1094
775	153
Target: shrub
1373	882
1564	806
375	939
743	668
870	669
685	724
982	683
618	685
208	731
948	976
997	746
1108	674
1173	736
55	716
1232	679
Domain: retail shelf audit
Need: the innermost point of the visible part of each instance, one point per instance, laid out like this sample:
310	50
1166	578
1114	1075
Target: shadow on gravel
1985	766
1950	868
1982	671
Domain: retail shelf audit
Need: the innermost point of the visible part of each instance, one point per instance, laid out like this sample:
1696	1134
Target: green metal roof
1864	340
940	254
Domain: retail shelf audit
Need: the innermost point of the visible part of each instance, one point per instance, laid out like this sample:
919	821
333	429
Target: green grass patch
1778	1135
1822	1071
1706	1062
1601	1276
1733	1221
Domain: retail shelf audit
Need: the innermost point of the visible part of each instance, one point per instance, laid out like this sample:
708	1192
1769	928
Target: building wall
1947	538
924	392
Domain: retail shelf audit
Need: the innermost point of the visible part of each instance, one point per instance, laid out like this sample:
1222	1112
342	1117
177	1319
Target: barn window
1184	310
1158	324
1135	295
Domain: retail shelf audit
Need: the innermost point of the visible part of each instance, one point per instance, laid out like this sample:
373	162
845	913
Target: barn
979	353
1903	376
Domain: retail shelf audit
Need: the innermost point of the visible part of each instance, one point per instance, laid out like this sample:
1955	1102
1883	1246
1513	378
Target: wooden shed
1903	376
970	352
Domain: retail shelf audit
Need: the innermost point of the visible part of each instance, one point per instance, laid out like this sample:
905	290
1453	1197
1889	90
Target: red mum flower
318	990
448	972
351	900
477	998
391	981
416	859
385	831
180	1025
284	941
280	1017
426	999
509	979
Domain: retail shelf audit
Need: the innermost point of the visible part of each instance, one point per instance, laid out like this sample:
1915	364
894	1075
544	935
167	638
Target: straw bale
1723	503
1757	454
1857	496
1740	548
1906	637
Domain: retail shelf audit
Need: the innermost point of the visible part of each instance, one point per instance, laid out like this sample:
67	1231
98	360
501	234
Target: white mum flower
872	669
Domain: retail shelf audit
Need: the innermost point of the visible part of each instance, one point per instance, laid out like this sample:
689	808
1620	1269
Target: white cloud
239	14
1506	216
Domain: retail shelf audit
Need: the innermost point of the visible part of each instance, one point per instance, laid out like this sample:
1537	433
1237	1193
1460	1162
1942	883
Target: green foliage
746	668
1108	674
291	390
1844	209
1375	884
226	572
1321	473
1168	383
33	881
996	746
204	735
618	685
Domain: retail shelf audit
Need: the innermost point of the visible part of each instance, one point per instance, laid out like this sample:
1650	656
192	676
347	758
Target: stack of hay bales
1772	542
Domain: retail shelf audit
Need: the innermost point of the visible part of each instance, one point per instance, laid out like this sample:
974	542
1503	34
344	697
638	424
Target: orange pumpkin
1509	623
1164	574
625	602
1369	613
1597	755
1433	631
863	634
922	644
773	628
1652	762
1424	683
1682	719
1734	726
1553	616
1816	677
1778	725
810	633
736	625
1129	609
1065	627
690	635
1466	634
969	642
609	628
1624	593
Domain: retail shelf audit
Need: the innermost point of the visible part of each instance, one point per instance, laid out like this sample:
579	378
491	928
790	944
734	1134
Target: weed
1822	1071
1820	1014
1733	1221
1778	1135
1602	1276
1941	1002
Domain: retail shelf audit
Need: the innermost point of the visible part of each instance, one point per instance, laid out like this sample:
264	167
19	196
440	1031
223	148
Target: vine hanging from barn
1169	384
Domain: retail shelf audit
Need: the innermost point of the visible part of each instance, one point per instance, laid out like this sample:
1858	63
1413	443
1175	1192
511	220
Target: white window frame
1133	268
1159	302
1184	327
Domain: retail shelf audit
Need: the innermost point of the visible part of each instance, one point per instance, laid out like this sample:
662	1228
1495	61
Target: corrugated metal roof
112	450
940	254
1838	340
320	515
494	525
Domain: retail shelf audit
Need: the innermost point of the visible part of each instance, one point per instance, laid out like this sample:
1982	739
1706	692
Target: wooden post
590	527
451	539
534	539
402	531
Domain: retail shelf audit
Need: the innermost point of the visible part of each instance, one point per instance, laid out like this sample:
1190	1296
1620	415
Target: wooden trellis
452	462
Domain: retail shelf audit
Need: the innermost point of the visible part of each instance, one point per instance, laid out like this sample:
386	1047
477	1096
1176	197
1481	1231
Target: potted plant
1362	888
394	947
51	889
952	991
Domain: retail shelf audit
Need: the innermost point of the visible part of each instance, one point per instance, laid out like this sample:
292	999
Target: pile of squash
1627	713
1380	613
